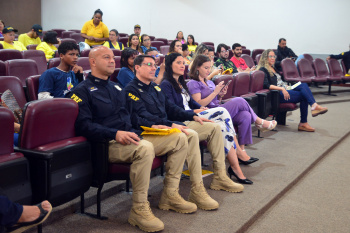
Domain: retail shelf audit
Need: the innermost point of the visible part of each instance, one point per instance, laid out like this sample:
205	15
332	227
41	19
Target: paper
152	131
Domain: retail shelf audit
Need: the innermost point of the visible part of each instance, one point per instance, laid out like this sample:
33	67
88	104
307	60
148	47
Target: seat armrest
34	154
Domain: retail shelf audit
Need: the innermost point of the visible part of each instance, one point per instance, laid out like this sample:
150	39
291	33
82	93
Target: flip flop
20	227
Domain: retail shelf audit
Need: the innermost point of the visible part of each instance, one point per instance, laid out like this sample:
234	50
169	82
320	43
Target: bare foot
31	213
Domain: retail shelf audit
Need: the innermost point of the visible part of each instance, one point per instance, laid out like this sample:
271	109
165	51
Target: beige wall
20	14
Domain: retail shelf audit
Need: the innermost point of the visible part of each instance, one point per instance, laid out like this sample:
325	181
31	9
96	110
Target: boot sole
169	207
228	190
134	223
202	207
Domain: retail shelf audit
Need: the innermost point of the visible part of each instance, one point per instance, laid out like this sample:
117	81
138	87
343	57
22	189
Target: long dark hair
192	37
138	47
172	46
169	74
126	53
198	62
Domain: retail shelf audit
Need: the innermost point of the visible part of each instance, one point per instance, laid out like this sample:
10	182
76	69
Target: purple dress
241	113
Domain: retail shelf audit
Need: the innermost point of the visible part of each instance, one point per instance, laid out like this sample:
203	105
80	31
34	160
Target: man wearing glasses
223	51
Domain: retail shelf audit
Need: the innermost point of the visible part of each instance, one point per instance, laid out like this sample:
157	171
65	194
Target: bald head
102	62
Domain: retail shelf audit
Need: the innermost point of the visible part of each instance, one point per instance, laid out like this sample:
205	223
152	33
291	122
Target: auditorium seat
240	88
161	59
169	41
153	38
246	51
308	57
114	76
124	41
66	34
322	72
306	71
123	35
77	37
1	47
226	79
60	161
59	32
248	60
10	54
53	62
21	68
186	73
230	54
2	68
105	172
256	52
157	44
209	43
336	70
117	61
165	41
84	63
38	56
345	71
290	72
14	168
75	30
69	40
116	52
31	47
164	49
32	87
85	53
13	84
257	59
212	47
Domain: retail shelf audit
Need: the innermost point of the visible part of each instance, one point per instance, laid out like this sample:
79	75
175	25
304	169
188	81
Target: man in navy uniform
345	56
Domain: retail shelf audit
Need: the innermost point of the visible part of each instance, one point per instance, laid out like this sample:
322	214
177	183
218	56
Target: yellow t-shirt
114	46
26	40
47	49
101	31
16	45
192	48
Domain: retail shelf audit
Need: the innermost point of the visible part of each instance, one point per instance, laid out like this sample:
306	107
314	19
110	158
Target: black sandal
20	227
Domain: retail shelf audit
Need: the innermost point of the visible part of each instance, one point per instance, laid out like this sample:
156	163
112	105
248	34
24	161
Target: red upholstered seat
165	41
10	54
77	37
290	72
157	44
114	76
85	53
33	87
69	40
246	52
308	57
209	43
21	68
32	47
84	63
117	61
74	30
116	52
61	143
54	62
257	59
13	84
10	157
164	49
66	34
248	60
226	79
335	70
123	35
2	68
288	106
322	72
256	52
124	40
59	32
38	56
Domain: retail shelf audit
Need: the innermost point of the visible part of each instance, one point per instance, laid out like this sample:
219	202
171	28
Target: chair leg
162	170
127	185
329	90
98	206
259	136
281	118
82	204
40	228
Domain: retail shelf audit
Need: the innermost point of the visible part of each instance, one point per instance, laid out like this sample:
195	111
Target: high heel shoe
271	126
249	161
242	181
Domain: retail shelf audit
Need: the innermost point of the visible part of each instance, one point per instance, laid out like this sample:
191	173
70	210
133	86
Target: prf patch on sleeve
76	98
133	97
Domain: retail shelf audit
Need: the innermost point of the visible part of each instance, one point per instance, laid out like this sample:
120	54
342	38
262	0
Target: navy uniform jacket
102	110
346	58
149	103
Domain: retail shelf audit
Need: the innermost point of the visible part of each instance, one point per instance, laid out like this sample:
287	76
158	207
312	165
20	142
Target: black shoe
249	161
242	181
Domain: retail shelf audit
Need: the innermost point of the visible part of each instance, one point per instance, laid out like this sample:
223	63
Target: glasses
147	40
224	51
149	64
155	55
274	57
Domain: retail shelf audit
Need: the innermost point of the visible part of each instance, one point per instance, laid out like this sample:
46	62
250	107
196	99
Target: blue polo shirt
125	75
57	82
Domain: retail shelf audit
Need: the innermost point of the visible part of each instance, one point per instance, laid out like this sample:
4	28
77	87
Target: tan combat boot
141	215
201	198
171	200
222	182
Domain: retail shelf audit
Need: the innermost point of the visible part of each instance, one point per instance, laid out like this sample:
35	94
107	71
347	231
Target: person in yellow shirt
113	43
9	39
95	31
31	37
48	44
191	44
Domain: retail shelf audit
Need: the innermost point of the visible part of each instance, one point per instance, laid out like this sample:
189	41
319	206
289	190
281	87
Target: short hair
184	47
126	53
150	50
139	59
193	43
115	31
66	46
235	45
197	62
50	37
280	40
218	49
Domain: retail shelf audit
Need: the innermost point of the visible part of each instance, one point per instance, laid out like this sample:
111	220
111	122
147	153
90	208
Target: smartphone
228	83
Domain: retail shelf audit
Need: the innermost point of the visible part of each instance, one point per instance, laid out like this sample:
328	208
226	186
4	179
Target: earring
197	72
